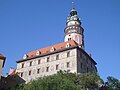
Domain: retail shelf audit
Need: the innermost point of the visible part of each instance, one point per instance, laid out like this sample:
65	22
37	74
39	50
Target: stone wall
48	65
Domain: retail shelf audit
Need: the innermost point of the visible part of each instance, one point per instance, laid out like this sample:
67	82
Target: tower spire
73	5
73	11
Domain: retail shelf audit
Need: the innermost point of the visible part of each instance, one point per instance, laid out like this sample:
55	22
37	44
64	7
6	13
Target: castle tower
73	30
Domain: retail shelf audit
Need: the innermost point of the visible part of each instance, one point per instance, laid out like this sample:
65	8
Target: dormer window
25	56
68	45
52	49
38	53
69	39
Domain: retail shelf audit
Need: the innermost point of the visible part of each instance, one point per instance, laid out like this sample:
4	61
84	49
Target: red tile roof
46	50
13	73
2	57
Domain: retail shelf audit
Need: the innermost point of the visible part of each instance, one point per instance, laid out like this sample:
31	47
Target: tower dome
73	11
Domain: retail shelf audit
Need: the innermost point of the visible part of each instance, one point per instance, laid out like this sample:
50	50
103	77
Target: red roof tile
2	57
57	47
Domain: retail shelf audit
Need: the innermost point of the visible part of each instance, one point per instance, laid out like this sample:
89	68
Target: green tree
59	81
63	81
113	83
89	81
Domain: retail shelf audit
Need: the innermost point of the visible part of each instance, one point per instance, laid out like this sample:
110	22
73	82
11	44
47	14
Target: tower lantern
73	30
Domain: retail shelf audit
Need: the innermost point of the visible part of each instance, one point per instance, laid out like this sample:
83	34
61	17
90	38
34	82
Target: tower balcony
72	29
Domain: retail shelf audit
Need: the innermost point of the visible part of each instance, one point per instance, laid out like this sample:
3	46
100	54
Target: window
87	69
81	65
38	53
57	67
22	65
47	69
69	39
68	64
57	57
25	56
48	59
87	60
80	55
38	71
52	49
68	54
29	72
21	74
30	63
68	45
91	64
39	61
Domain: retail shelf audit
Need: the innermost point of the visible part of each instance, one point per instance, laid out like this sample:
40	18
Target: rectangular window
68	64
30	63
21	75
29	72
39	61
22	65
81	65
57	67
87	59
87	69
57	57
68	54
91	63
80	55
48	59
38	71
47	69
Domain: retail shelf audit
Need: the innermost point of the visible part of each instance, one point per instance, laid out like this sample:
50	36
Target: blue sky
27	25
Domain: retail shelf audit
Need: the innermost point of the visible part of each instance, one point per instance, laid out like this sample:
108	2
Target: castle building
2	62
68	55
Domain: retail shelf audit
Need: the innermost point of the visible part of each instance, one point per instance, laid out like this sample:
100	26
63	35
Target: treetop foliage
64	80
